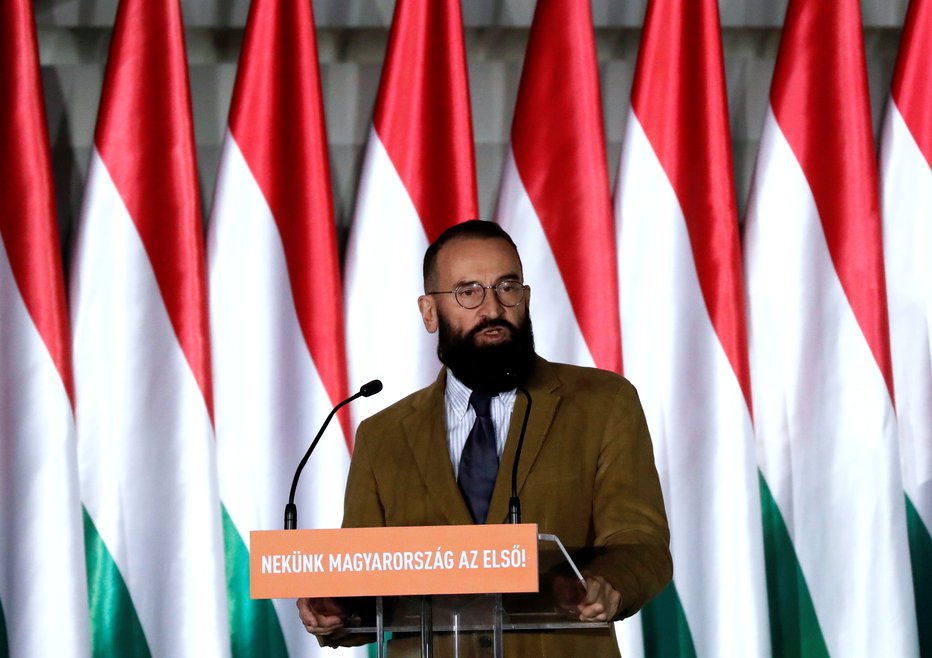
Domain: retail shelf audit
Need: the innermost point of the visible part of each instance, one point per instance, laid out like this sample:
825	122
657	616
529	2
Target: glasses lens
509	293
470	295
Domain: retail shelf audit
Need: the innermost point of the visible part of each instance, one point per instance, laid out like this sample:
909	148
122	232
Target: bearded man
444	454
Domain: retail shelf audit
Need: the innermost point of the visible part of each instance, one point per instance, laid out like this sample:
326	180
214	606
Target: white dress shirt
460	417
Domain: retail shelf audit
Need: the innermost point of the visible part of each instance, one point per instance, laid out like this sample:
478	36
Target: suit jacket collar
425	432
542	386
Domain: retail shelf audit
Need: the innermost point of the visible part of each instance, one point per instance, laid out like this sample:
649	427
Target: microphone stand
514	503
291	510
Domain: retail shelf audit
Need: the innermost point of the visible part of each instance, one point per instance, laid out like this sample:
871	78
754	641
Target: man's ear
428	308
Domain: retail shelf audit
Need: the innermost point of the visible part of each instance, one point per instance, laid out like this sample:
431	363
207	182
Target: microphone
291	510
514	503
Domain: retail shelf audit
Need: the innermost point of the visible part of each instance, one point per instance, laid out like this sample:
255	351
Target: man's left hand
601	602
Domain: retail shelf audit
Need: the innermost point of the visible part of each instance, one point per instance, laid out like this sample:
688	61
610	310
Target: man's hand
601	602
320	616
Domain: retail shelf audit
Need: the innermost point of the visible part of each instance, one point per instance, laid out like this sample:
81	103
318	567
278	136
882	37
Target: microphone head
371	388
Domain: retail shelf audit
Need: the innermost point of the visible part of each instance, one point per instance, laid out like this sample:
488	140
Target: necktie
479	461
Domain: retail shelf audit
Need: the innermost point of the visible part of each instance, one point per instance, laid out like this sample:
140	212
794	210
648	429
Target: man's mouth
492	333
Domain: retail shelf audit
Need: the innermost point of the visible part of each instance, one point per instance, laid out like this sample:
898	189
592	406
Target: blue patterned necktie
479	461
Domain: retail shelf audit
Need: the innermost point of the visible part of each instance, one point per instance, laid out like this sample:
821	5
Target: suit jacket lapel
425	431
542	385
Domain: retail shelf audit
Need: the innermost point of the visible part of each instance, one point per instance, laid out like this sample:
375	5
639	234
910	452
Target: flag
43	585
142	358
275	312
906	190
554	198
418	179
835	544
684	337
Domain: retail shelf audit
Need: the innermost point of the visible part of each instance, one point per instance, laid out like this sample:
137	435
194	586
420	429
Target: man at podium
444	454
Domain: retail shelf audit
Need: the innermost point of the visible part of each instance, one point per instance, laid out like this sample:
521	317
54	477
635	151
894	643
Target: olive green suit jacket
586	474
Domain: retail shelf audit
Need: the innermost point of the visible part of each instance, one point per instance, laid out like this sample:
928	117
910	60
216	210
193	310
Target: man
444	455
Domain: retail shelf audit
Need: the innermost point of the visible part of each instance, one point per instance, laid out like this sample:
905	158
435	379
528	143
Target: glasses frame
455	292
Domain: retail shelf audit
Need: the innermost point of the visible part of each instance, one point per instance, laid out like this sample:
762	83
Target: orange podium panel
471	559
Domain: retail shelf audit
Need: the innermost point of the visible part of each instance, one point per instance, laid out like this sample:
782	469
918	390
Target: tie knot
481	403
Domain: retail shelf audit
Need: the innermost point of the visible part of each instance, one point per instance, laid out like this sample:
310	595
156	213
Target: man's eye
468	292
508	286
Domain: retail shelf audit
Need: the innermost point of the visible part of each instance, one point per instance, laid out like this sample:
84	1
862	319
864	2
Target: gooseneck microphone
291	510
514	503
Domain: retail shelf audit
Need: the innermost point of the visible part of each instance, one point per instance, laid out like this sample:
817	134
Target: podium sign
472	559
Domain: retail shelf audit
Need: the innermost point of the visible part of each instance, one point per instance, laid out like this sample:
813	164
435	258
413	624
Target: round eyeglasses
471	295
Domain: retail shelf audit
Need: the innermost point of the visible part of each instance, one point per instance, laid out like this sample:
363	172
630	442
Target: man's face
467	260
489	347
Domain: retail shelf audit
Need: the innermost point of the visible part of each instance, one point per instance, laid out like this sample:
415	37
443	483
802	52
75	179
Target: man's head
474	295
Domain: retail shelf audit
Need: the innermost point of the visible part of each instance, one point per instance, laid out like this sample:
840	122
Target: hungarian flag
906	190
142	359
276	313
684	335
555	199
418	178
838	570
43	586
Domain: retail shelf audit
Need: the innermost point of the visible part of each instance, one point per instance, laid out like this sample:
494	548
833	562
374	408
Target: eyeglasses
471	295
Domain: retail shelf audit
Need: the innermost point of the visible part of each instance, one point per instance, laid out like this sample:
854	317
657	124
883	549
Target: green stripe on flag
920	552
254	625
4	643
666	630
115	626
794	627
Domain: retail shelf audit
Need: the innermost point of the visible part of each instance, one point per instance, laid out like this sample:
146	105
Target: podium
434	590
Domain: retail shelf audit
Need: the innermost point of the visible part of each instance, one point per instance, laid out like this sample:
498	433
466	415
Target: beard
488	368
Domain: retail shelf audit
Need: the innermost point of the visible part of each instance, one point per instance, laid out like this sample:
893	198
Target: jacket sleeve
631	540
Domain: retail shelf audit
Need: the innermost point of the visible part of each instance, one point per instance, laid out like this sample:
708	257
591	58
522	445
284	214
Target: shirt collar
457	395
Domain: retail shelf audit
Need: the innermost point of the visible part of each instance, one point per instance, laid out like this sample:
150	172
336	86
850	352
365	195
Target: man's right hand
320	616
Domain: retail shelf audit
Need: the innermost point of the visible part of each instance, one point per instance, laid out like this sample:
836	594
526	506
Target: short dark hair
473	228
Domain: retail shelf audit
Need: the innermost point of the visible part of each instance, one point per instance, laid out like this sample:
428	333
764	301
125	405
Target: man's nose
490	306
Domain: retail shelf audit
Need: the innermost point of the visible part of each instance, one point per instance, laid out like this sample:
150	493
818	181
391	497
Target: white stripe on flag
906	186
268	396
557	334
385	336
696	412
41	534
825	425
146	451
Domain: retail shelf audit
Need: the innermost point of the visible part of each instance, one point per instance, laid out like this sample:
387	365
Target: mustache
489	324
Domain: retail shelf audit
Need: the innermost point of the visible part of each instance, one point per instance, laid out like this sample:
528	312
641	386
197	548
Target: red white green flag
839	581
684	338
43	585
142	359
906	194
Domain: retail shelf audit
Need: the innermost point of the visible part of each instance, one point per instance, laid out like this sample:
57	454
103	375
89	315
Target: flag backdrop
276	313
554	198
829	378
832	496
418	178
684	337
906	184
142	359
43	594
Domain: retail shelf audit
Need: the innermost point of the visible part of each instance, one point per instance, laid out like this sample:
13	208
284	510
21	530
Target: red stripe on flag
820	99
145	137
423	115
28	221
680	100
277	119
559	149
912	79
